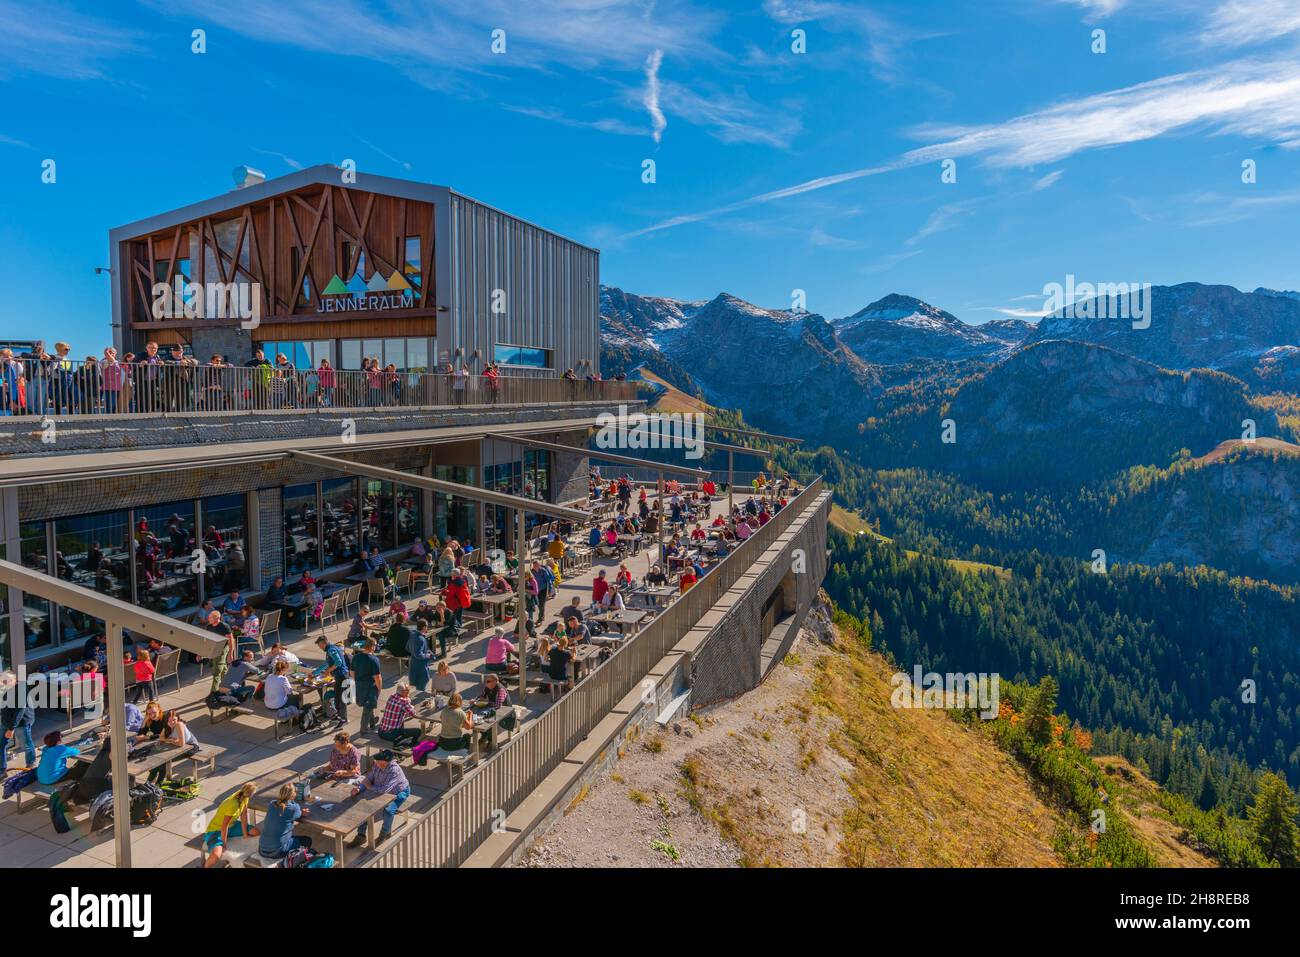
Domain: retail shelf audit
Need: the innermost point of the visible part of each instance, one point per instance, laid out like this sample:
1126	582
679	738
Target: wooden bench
35	795
226	711
449	760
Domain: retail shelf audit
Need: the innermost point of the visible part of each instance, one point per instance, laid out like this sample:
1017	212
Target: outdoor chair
168	666
270	627
352	597
376	591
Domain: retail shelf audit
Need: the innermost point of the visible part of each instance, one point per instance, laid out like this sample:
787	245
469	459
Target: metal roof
323	174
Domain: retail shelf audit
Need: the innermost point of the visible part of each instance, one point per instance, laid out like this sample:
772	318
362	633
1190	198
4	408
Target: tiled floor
29	840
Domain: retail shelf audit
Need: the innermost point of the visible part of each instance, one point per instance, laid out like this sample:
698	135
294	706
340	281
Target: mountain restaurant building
120	500
335	265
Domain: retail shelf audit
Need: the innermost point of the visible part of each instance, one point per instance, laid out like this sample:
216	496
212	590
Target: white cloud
1242	22
1047	181
1259	100
732	116
604	125
651	98
56	42
943	218
1098	8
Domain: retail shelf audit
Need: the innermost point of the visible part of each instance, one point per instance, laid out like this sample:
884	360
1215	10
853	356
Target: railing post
117	742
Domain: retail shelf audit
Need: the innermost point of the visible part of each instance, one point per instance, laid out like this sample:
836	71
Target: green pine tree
1273	821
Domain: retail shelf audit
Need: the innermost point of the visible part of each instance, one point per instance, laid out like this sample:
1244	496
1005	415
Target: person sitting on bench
456	725
277	838
499	648
496	696
229	820
392	723
384	777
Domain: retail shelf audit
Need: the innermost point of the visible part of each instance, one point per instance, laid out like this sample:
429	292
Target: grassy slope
673	399
854	524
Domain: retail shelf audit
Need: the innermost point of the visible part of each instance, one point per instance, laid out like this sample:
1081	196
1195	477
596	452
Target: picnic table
427	712
495	603
623	620
654	594
161	756
330	809
586	656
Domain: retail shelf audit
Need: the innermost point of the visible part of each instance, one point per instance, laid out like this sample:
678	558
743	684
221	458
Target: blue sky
775	170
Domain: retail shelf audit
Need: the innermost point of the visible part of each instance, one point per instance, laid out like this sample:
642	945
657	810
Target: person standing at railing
392	384
459	380
325	383
286	380
258	383
37	377
63	398
113	379
11	376
148	380
492	378
88	386
374	375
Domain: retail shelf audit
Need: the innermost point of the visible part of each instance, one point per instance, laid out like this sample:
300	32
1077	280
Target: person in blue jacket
55	758
421	654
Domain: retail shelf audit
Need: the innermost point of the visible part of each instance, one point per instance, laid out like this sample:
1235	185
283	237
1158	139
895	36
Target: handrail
476	805
65	388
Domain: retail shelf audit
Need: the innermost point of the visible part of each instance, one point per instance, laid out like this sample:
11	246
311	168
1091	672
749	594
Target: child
144	671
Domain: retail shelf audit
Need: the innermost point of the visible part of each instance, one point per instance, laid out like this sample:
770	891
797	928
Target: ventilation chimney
247	176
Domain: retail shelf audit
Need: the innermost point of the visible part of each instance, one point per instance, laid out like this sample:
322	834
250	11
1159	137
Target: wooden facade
291	246
484	285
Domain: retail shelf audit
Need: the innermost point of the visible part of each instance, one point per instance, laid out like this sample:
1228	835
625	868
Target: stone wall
731	660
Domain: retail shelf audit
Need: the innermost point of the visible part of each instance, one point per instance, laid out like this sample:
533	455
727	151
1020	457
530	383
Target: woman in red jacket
456	595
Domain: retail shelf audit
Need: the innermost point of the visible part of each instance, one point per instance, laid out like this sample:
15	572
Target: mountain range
1073	401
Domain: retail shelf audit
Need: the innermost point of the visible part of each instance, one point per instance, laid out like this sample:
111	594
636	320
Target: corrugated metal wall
551	288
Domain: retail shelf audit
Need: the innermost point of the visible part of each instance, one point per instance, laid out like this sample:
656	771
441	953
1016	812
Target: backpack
306	857
146	803
309	720
420	753
179	790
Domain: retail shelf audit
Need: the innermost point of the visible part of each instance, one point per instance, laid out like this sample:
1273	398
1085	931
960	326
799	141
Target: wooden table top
331	807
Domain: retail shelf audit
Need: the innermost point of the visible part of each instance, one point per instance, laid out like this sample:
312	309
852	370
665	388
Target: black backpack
146	803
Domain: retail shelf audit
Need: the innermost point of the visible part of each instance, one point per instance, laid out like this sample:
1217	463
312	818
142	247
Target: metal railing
467	813
62	387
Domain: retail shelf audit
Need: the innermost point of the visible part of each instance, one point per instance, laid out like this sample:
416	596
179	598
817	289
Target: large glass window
524	356
225	524
166	575
406	355
38	629
453	516
411	268
304	354
94	551
300	529
409	511
377	528
339	521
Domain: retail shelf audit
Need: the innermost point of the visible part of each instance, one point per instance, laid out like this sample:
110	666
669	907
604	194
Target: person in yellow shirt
229	820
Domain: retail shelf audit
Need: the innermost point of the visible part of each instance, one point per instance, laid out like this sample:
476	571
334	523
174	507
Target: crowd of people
168	379
421	632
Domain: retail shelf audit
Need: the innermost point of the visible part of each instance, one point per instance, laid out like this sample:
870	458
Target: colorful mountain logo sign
359	295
